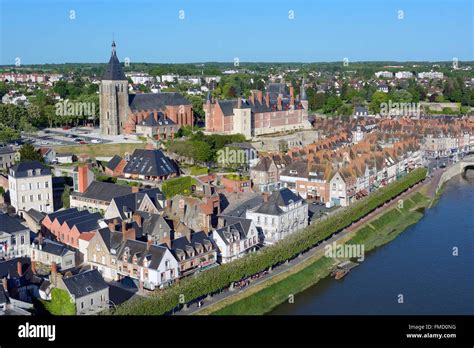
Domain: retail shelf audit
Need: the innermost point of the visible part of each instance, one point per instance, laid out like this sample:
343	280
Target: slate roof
155	101
233	231
155	225
114	162
181	244
277	88
85	283
55	214
263	164
80	219
131	202
36	215
21	169
6	150
162	120
52	247
153	253
10	225
230	220
73	215
114	70
280	198
112	240
150	163
104	191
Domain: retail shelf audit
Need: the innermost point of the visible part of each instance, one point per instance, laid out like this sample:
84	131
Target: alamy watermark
400	109
231	156
350	251
67	108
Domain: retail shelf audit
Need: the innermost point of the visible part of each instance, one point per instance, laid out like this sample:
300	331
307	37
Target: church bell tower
113	97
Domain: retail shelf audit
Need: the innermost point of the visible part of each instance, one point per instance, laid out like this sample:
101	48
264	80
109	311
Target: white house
31	186
236	238
280	215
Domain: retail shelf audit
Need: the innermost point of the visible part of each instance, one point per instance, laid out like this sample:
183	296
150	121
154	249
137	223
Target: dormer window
38	171
30	172
293	172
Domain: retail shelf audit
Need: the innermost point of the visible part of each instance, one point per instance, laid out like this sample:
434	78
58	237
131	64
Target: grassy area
199	170
101	150
237	177
379	231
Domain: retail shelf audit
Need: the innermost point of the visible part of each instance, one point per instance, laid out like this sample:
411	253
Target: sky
154	31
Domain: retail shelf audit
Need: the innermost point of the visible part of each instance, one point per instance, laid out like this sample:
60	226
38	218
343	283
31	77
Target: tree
65	197
377	99
28	153
8	134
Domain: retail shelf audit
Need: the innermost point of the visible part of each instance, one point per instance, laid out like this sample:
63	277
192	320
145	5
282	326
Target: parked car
96	141
83	142
66	127
78	140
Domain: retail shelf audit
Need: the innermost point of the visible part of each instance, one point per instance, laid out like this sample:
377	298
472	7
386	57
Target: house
46	251
150	165
14	237
18	279
67	225
283	213
194	252
382	88
88	290
195	213
31	186
49	154
33	219
98	195
360	111
65	158
264	175
234	238
115	166
342	189
157	126
7	157
124	206
154	227
154	266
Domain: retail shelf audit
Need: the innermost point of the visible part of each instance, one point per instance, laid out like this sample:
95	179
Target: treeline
216	279
202	148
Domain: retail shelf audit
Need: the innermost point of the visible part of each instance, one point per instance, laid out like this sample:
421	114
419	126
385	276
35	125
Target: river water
419	264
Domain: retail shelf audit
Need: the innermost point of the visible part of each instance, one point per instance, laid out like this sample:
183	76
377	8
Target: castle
121	112
277	111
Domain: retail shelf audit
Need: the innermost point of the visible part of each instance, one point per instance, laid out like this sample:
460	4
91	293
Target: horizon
209	31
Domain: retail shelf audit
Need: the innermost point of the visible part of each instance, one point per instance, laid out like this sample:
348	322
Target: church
124	113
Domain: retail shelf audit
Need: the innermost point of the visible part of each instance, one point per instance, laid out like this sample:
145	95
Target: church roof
155	101
114	70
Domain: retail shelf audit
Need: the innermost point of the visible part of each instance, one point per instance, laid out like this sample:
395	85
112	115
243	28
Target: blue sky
40	31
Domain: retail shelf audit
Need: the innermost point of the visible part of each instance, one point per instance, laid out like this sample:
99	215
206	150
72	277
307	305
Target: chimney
292	93
259	96
155	115
83	181
239	102
135	189
267	99
19	268
149	242
54	273
138	219
252	98
124	231
265	197
167	240
40	238
279	102
5	283
33	267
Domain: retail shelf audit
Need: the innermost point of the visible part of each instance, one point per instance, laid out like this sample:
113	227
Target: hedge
218	278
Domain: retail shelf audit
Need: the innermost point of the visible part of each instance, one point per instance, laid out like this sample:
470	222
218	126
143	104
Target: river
419	264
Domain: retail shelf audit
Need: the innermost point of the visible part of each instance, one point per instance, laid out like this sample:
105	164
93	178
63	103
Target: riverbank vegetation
218	278
377	232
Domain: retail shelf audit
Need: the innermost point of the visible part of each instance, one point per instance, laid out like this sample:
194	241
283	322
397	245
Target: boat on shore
341	270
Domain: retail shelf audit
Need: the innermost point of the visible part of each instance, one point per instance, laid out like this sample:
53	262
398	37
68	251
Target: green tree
377	99
28	153
65	197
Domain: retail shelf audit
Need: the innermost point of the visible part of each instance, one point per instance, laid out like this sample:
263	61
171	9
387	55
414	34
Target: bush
60	303
221	277
199	170
182	185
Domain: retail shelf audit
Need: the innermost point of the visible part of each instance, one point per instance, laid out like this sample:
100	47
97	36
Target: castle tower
113	97
303	96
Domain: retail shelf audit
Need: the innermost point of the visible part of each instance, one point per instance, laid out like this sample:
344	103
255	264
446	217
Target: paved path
193	308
